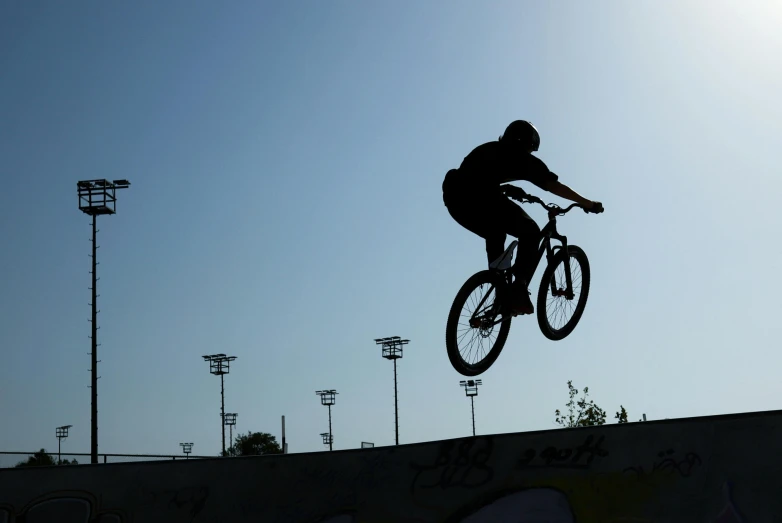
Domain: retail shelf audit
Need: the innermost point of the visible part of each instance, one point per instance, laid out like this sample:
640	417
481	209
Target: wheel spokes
475	342
559	310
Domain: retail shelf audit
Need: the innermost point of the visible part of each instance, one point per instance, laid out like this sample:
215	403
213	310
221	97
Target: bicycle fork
567	292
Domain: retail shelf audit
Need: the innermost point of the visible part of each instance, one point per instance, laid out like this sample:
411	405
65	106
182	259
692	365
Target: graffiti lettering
64	507
580	457
192	499
463	466
668	464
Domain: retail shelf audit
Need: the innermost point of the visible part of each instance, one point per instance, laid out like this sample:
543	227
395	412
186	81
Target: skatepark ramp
715	469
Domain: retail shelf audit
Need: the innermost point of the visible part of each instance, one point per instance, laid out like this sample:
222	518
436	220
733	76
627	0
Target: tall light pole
96	197
62	433
230	420
392	350
187	448
220	365
328	398
471	390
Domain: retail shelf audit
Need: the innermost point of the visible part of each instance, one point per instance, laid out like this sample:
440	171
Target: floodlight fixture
327	397
187	448
230	421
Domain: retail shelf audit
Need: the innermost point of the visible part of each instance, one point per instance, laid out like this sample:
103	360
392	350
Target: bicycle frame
549	231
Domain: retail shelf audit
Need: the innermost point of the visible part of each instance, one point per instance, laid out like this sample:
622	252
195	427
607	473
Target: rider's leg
481	218
492	220
495	244
519	224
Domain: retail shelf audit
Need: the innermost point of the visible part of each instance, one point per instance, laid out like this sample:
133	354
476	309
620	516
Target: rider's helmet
522	133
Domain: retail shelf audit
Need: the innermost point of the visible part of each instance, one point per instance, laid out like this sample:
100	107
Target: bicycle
560	285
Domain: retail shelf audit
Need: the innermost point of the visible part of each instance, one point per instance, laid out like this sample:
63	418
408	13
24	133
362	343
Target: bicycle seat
503	263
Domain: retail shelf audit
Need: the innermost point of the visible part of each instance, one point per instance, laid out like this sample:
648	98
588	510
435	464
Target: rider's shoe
520	302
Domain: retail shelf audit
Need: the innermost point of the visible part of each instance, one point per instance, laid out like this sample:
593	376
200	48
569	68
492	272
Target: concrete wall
723	469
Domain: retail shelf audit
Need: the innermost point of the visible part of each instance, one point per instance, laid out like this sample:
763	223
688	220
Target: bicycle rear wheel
474	336
558	315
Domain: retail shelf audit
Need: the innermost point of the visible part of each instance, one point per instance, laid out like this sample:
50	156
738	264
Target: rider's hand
517	193
595	207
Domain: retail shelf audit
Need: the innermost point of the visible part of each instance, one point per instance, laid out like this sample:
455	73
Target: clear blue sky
286	161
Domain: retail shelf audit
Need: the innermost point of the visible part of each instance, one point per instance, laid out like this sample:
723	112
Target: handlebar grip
515	193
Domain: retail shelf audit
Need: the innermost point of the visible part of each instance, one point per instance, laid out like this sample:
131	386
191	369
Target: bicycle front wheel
476	330
558	310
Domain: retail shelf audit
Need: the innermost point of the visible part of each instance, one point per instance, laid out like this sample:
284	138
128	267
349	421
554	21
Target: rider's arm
539	174
563	191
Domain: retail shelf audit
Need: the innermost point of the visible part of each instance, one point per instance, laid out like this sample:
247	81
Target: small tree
39	459
254	444
583	412
42	459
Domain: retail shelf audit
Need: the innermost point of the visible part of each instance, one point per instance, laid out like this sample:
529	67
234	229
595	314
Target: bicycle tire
461	366
556	334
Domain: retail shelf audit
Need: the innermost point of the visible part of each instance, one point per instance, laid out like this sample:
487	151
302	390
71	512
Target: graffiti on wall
460	481
528	505
580	457
457	464
188	500
668	462
84	507
63	506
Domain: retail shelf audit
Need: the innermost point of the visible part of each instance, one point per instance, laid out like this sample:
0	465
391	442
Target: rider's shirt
492	164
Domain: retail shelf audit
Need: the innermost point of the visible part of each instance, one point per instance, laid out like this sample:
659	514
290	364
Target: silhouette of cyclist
476	199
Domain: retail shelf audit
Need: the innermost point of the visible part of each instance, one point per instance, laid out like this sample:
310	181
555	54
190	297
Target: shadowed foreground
720	469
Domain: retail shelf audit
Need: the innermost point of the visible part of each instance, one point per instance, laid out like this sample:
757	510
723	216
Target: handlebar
553	209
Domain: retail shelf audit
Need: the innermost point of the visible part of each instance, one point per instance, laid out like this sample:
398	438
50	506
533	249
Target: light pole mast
471	390
220	365
392	350
62	433
328	398
96	197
